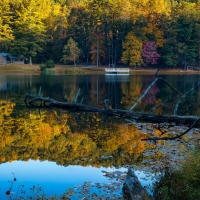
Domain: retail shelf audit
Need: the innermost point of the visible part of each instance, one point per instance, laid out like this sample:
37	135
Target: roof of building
4	54
12	56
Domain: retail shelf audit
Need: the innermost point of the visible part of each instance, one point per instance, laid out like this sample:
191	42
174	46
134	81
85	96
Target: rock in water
132	189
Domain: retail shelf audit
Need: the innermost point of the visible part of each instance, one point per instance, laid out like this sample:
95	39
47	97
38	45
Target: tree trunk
75	63
30	60
39	102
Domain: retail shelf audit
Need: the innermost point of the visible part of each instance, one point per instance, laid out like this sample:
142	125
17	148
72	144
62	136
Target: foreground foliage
182	183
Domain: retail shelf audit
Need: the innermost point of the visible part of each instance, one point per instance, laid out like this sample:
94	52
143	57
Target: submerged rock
132	189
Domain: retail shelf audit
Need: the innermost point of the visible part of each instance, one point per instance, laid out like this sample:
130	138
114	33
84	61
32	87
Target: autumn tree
6	17
71	52
56	31
132	50
149	53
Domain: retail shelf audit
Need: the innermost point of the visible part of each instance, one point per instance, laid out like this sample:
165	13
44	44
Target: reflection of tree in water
151	98
50	137
75	139
131	91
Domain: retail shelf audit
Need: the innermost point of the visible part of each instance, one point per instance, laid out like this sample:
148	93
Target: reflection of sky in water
54	179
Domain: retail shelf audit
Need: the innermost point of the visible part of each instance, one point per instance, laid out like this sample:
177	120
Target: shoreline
27	69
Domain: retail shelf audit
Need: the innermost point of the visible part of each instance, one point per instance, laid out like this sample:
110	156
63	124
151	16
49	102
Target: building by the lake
6	58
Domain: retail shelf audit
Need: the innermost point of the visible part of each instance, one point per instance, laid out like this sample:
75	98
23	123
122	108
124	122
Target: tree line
103	32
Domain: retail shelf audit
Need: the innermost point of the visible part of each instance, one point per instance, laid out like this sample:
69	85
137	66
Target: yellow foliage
14	155
132	50
57	130
3	159
58	17
131	92
157	132
26	155
185	138
5	140
159	110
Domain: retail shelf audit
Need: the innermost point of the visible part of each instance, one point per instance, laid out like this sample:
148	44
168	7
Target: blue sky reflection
54	179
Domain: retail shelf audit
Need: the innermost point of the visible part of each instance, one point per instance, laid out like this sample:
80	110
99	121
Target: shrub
49	71
182	183
49	64
43	67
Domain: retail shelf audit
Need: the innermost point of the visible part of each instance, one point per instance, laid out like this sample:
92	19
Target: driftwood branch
32	100
175	137
143	95
39	90
156	74
75	99
150	86
37	101
105	103
160	105
183	96
187	110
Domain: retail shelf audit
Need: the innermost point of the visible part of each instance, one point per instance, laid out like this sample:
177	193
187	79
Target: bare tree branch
160	79
182	97
146	91
105	103
178	136
75	99
187	110
39	90
143	95
156	74
160	105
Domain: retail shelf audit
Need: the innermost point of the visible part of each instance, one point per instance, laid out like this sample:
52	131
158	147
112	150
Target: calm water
57	149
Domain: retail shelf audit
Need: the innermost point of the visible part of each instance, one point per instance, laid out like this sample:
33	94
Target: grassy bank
69	69
19	69
182	183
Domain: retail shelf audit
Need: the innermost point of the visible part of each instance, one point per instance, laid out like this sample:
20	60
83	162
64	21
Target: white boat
117	70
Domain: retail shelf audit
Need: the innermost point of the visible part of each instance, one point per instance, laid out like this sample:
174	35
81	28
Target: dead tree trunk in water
189	121
42	102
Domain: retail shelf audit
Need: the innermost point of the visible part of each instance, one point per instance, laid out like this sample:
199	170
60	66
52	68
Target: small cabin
14	59
3	58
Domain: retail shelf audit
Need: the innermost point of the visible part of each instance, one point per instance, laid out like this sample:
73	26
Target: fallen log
42	102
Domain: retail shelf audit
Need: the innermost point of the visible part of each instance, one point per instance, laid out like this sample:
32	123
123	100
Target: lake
49	151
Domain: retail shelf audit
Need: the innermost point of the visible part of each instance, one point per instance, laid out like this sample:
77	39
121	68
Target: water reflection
117	78
121	91
83	139
52	179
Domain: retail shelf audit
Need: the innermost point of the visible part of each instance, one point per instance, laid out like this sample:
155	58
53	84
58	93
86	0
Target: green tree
80	25
181	45
29	28
71	52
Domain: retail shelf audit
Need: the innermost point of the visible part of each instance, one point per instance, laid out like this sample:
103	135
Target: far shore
34	69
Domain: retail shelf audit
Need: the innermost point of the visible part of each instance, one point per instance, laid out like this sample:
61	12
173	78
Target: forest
105	32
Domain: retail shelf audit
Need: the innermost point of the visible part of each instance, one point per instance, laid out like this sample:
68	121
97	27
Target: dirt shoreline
66	69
